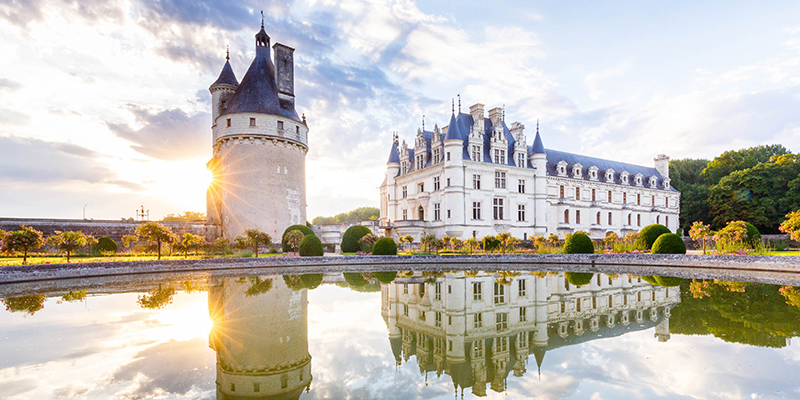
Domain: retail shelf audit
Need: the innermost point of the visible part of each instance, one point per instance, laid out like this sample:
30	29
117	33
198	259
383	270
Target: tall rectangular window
476	210
593	198
523	315
437	291
476	153
405	214
666	199
448	182
476	181
638	219
561	195
523	290
653	201
624	198
609	196
500	180
577	193
436	184
437	212
420	187
477	291
577	216
252	122
521	212
501	320
498	209
638	199
477	321
405	191
609	218
448	156
405	310
666	220
521	185
499	156
438	319
477	348
521	160
499	293
436	156
229	122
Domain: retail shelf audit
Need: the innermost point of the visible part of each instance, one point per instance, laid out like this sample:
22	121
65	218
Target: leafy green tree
23	240
156	233
29	304
351	237
257	285
75	295
686	176
68	241
129	240
430	242
186	216
256	239
791	225
106	245
359	214
406	239
738	160
310	246
157	298
189	242
367	241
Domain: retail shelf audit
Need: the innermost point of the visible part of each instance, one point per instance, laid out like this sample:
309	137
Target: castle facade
260	145
478	176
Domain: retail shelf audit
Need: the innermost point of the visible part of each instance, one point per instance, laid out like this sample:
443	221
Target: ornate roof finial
453	105
504	113
423	122
459	103
537	125
227	52
262	19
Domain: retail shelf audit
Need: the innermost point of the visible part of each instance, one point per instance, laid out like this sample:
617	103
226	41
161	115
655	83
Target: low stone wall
113	229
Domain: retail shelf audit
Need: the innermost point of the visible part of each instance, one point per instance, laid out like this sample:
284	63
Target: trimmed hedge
385	276
351	237
302	228
355	279
384	247
311	246
753	235
579	278
649	234
578	243
669	243
106	244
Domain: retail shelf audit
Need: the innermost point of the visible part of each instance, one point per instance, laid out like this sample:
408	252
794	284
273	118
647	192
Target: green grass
785	253
49	259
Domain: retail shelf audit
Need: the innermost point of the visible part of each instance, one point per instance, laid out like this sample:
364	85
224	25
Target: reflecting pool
403	335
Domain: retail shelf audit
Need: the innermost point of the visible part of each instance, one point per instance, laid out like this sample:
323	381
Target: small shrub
244	253
311	246
302	228
367	241
385	276
490	243
384	247
733	237
355	279
669	243
578	278
649	234
753	235
351	237
578	243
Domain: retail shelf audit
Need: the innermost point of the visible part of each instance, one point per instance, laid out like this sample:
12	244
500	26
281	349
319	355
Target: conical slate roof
394	154
538	146
226	77
453	132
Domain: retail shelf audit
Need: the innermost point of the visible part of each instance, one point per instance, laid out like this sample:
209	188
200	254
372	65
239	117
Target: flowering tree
367	242
792	225
129	240
23	240
610	239
68	241
293	239
700	231
156	233
732	237
430	242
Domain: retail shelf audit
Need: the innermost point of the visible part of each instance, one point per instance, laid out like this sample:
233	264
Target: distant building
260	145
477	176
480	328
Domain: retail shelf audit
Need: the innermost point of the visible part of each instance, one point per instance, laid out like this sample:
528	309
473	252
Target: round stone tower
260	146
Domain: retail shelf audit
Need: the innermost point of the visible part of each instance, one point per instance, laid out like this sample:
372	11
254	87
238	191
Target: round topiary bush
351	237
669	243
668	281
385	276
579	278
310	246
753	235
106	245
311	281
578	243
384	247
355	279
649	234
302	228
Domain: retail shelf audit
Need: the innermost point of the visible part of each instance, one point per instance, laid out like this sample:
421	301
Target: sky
105	103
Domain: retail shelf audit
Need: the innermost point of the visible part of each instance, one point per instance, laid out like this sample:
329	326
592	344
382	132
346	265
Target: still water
428	335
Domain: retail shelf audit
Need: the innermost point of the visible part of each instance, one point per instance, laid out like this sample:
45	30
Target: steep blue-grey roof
226	76
412	166
394	154
453	130
555	156
538	146
258	92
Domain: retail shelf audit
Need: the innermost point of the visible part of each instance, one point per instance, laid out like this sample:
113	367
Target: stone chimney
662	165
496	115
476	111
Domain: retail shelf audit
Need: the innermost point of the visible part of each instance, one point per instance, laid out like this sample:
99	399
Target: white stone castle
477	177
260	145
480	327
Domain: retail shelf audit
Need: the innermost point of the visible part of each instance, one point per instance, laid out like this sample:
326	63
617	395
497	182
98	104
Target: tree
430	242
253	238
359	214
156	233
23	240
471	243
29	304
367	241
129	240
68	241
310	246
186	216
157	298
406	239
686	176
732	237
792	225
293	240
700	231
302	228
188	242
106	245
738	160
351	237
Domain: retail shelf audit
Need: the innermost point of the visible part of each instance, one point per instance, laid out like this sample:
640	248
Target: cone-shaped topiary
351	237
753	235
669	243
384	247
649	234
355	279
385	276
578	243
310	246
302	228
311	281
578	278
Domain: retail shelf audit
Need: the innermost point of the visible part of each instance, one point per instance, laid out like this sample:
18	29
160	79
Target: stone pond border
630	263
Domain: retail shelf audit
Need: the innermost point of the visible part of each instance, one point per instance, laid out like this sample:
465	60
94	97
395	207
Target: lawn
6	261
785	253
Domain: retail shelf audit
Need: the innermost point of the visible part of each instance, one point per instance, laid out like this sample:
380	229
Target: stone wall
113	229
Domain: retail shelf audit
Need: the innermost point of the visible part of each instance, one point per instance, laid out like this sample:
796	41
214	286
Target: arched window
566	216
421	213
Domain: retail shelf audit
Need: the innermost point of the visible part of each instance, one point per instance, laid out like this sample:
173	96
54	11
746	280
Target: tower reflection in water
260	336
479	327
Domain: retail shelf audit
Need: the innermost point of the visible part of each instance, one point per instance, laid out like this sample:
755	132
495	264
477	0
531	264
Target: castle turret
539	162
260	145
388	190
454	178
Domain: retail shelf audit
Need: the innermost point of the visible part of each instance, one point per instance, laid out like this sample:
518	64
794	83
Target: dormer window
561	168
624	177
577	171
653	182
666	183
609	175
593	173
638	179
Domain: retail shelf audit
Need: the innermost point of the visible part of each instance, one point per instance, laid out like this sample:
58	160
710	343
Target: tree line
759	185
359	214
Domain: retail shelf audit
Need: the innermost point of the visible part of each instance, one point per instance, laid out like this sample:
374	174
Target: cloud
33	160
11	117
166	135
9	85
22	12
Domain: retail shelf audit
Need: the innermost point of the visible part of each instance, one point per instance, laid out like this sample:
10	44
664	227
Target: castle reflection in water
476	327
